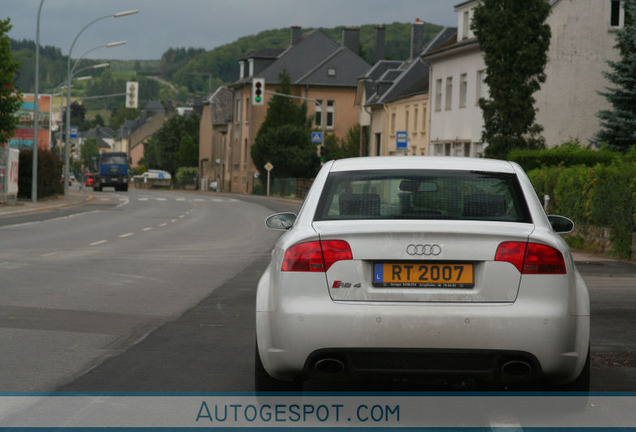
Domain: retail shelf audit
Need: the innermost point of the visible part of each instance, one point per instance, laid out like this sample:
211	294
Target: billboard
23	135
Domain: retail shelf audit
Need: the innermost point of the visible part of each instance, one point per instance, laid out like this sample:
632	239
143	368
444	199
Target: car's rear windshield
414	194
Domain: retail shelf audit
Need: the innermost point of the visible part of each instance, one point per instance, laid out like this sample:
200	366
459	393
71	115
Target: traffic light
258	91
321	151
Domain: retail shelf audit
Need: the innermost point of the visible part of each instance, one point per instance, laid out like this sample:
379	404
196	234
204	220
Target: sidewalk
74	197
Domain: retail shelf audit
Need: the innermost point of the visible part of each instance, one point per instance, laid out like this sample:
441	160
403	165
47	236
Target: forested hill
192	68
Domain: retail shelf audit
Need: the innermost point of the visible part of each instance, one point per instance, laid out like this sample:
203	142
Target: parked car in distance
90	179
154	174
436	270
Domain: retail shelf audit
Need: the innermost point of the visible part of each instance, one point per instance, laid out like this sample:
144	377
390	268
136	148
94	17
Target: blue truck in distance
111	169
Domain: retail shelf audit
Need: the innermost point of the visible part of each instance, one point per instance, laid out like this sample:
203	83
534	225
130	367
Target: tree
618	125
10	99
120	114
89	149
284	138
289	149
161	152
188	154
514	39
343	148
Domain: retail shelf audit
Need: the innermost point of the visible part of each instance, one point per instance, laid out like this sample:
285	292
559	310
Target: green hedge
49	174
568	154
603	195
187	175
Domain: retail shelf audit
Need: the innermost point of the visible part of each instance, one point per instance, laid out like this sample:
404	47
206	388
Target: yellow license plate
423	275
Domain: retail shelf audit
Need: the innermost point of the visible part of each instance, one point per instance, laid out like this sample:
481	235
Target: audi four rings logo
423	249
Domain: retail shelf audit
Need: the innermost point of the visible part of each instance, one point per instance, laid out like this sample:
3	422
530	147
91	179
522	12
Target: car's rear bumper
391	338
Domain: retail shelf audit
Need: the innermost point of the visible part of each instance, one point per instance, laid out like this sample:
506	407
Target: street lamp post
36	109
69	75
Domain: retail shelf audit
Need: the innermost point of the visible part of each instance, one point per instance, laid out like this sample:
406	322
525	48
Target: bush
603	195
187	175
568	154
49	173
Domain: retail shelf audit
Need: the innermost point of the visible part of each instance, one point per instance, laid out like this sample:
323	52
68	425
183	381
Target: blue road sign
73	131
316	137
402	138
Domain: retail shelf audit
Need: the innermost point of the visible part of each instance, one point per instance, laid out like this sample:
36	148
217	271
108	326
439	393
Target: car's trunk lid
423	261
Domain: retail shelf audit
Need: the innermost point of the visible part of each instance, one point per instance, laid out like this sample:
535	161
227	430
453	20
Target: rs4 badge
340	284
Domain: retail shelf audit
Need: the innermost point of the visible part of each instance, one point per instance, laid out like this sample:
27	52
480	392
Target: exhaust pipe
329	366
516	369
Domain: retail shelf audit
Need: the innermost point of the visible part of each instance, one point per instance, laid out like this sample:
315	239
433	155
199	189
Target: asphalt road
154	291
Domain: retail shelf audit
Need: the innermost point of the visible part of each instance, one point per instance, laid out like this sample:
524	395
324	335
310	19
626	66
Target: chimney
417	35
351	39
296	33
379	43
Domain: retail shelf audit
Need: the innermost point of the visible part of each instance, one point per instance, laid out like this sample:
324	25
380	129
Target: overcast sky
163	24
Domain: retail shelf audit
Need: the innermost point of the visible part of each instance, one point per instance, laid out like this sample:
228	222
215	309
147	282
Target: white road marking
173	220
142	199
98	242
124	201
126	235
218	200
51	254
163	224
147	229
162	199
181	217
198	200
181	199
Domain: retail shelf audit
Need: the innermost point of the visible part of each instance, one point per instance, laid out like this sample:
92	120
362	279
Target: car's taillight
531	258
315	256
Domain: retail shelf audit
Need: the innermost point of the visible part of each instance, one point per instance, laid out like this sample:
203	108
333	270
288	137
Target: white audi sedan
436	269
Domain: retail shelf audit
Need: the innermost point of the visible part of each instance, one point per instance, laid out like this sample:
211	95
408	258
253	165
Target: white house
583	37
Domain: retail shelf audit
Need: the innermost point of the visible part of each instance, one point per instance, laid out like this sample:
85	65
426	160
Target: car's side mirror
280	221
561	224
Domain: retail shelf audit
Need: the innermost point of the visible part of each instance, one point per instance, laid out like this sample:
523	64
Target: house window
378	144
318	113
237	111
617	14
424	118
331	72
247	105
438	95
236	153
479	86
406	126
449	93
415	120
330	113
250	62
463	87
393	124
